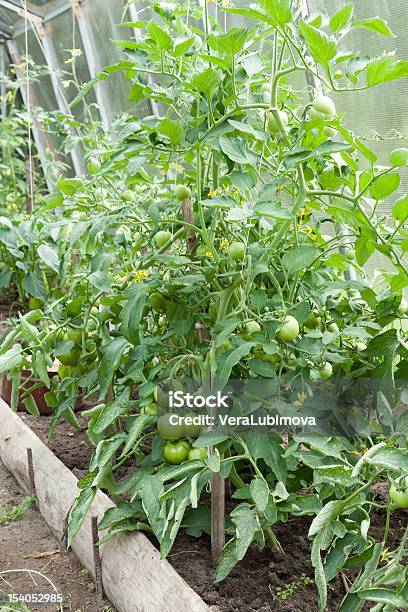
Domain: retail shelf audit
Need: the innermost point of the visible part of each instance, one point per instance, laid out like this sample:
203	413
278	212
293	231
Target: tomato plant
206	262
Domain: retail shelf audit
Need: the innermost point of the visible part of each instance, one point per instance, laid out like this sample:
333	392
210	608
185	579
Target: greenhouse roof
12	12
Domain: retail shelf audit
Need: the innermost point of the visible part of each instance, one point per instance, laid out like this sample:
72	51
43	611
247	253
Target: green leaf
214	461
139	424
227	560
231	43
236	149
272	210
342	18
320	577
321	47
299	258
388	458
49	256
100	280
206	81
246	524
109	364
30	404
34	285
79	511
160	36
384	69
278	10
385	185
375	25
259	493
233	358
385	596
11	359
173	130
112	411
210	438
400	209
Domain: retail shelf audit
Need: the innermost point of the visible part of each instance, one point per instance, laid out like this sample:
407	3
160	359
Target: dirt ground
260	581
28	549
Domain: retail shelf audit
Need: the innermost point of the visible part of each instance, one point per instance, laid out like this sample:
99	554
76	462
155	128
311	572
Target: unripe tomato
70	358
329	131
91	351
325	105
289	329
333	327
176	452
326	371
202	250
150	409
236	251
191	430
399	157
273	126
399	492
403	307
313	321
94	165
360	347
252	327
198	453
128	196
182	192
157	302
167	430
162	238
74	334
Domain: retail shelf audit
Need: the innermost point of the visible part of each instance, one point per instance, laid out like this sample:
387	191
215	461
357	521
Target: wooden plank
135	579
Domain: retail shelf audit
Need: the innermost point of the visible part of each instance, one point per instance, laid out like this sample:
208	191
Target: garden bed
264	580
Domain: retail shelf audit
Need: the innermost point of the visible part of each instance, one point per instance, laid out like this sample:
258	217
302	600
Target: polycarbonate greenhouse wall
50	29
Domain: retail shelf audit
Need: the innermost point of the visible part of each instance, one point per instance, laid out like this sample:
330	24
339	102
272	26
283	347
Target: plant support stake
31	479
97	560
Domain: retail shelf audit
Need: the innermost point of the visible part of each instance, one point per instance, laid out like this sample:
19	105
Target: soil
254	584
27	545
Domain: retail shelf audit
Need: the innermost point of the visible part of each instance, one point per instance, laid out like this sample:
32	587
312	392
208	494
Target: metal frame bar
91	55
40	137
18	8
2	80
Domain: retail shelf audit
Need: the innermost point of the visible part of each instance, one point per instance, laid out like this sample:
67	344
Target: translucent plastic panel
104	17
65	36
377	115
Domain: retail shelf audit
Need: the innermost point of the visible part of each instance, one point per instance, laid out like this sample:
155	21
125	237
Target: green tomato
198	453
403	307
329	131
326	371
150	409
313	321
167	430
236	251
399	157
289	330
252	327
191	430
273	126
70	358
182	192
325	105
162	237
91	351
360	347
128	196
74	334
35	303
94	165
176	452
333	327
202	250
399	493
157	302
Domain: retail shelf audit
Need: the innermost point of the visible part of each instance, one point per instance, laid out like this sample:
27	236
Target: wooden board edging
135	579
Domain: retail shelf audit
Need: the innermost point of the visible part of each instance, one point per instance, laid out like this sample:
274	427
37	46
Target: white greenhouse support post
52	63
81	13
3	80
40	138
154	107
